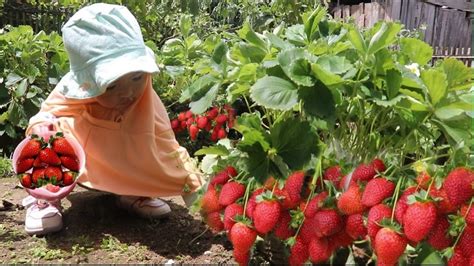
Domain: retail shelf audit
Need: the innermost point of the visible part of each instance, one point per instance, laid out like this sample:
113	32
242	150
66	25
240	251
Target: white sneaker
143	206
43	218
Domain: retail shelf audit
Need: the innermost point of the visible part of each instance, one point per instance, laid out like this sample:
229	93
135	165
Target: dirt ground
96	231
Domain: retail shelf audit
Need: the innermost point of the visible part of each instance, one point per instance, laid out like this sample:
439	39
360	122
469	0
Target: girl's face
123	92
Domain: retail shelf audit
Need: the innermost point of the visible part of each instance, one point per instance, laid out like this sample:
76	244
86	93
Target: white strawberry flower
414	68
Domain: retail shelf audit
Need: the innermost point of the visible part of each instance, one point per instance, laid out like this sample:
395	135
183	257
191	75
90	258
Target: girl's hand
42	128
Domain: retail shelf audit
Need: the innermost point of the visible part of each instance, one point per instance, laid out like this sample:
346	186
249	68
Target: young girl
108	104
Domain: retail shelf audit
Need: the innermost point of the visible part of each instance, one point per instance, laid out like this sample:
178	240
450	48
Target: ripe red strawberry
48	156
345	183
266	215
439	238
181	116
214	221
282	228
202	122
458	258
221	119
252	202
443	203
355	226
53	172
459	185
230	212
193	132
378	165
70	162
231	192
375	216
376	191
212	113
68	178
220	178
423	180
402	204
298	253
294	185
327	222
339	240
333	174
350	202
419	219
318	250
242	237
188	114
24	165
241	257
52	188
175	125
61	146
389	246
25	180
231	171
468	216
285	199
221	134
31	149
38	163
365	172
38	174
210	200
215	132
466	241
315	204
307	230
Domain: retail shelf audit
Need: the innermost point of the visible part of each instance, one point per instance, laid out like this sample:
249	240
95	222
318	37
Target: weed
111	243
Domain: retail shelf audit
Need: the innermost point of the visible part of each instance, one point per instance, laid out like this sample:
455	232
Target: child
108	104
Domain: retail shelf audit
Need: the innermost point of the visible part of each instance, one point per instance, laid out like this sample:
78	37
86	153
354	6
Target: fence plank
427	17
346	12
396	9
456	4
337	12
357	12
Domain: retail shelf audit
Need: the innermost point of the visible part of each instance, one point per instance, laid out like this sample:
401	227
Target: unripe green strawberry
298	253
242	237
327	222
376	191
210	200
355	226
294	185
439	238
266	215
282	228
459	185
419	219
319	251
315	204
389	246
350	202
229	214
231	192
375	216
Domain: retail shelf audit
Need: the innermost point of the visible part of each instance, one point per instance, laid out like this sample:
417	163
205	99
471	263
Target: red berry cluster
328	223
216	121
54	164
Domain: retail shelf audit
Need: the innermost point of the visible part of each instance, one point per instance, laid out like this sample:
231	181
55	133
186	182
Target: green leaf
248	72
247	33
295	35
428	256
294	63
457	73
318	101
219	53
311	21
418	51
185	24
384	37
202	83
457	131
357	40
452	110
249	125
391	102
394	81
21	89
274	92
201	105
12	79
216	149
334	64
435	81
294	141
325	76
256	162
278	42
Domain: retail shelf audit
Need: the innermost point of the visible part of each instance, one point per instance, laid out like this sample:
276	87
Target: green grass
6	169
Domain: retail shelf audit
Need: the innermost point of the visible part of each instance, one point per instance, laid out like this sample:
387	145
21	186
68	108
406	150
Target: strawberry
221	134
294	185
298	253
378	165
459	185
439	238
376	191
285	199
193	132
339	240
175	125
242	237
365	172
333	174
48	156
188	114
214	134
375	216
318	250
68	178
213	220
327	222
52	188
31	148
350	202
202	122
231	192
25	180
282	228
443	204
315	204
419	219
221	119
469	216
183	125
355	226
230	212
458	259
402	204
38	163
307	230
345	183
61	146
389	246
190	121
252	202
266	215
24	165
241	257
220	178
466	241
38	174
212	113
210	200
181	117
231	171
70	162
53	172
423	180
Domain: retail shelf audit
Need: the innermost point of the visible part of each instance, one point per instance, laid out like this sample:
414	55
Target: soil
96	231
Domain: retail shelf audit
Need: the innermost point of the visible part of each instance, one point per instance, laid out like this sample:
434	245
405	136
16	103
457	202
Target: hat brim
93	81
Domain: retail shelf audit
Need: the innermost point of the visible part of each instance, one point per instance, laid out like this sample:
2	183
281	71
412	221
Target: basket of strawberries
48	165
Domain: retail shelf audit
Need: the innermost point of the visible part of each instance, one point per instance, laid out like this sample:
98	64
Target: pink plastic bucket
42	192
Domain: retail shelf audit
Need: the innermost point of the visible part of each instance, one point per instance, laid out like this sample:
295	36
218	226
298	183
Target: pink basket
42	192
